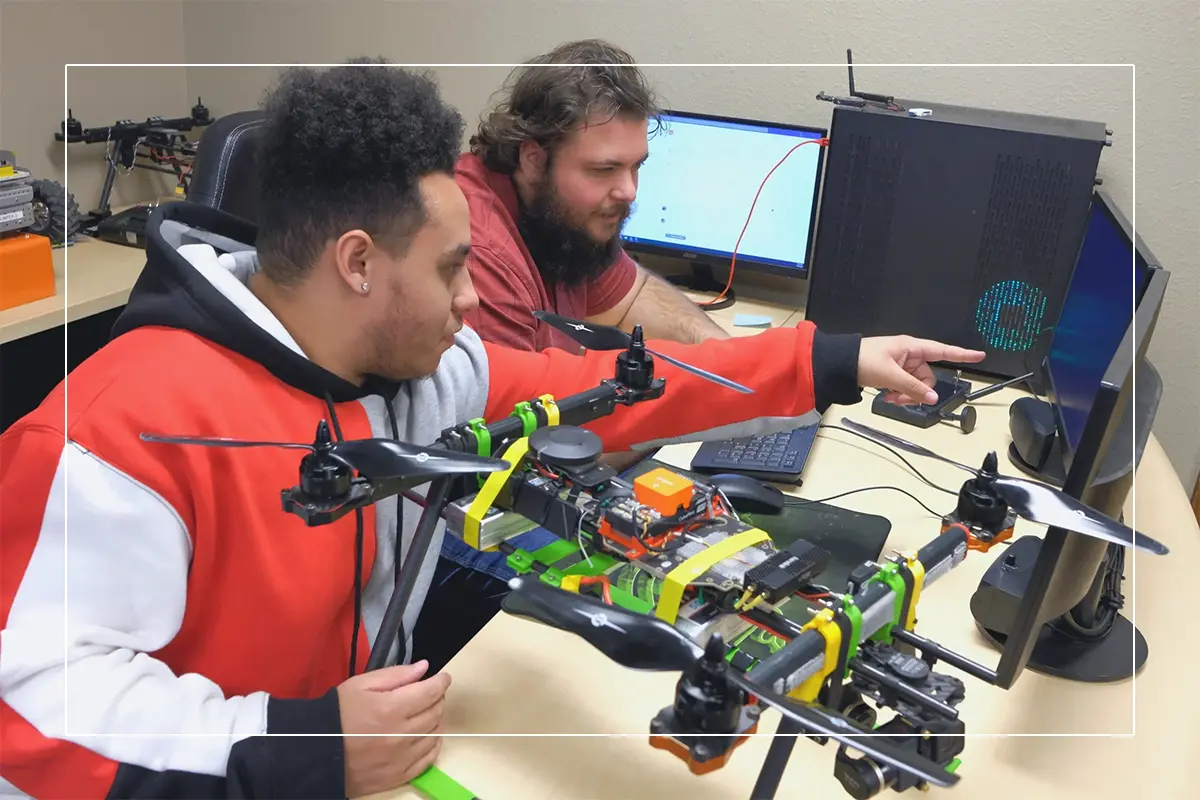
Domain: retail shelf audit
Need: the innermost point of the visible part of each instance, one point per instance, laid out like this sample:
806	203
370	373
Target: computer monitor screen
696	189
1110	275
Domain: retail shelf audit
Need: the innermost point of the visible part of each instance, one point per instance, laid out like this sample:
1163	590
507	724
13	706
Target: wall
38	38
1153	36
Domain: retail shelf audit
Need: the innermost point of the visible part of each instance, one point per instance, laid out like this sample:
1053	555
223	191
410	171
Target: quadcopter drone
717	576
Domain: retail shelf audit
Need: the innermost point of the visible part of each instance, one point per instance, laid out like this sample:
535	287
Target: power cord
894	452
912	496
719	300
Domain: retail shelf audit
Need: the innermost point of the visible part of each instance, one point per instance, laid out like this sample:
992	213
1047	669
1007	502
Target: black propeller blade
374	459
633	640
638	641
1033	501
605	337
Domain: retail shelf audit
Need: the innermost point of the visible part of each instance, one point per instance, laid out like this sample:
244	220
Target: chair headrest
225	172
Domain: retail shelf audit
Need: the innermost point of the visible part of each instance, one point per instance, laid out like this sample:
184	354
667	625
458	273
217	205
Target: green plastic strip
555	551
483	441
520	561
890	575
437	785
524	412
953	766
624	599
855	615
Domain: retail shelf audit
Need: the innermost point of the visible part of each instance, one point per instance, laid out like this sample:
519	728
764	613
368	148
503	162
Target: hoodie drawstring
358	550
358	539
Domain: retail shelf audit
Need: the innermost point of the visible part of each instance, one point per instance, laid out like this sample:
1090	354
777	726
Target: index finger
939	351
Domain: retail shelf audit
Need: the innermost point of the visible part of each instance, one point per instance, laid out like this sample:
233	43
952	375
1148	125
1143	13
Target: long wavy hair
553	94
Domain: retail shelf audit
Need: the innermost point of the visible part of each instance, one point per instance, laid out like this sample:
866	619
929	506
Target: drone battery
496	526
786	571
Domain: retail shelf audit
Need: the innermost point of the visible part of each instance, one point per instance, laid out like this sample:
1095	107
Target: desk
92	284
101	276
546	692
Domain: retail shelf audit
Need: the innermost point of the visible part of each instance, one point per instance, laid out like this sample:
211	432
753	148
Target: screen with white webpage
696	188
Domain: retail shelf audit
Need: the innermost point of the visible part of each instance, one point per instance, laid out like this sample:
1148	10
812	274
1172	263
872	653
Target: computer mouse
748	494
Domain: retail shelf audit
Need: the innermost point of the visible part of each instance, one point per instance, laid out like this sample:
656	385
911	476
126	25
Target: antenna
877	98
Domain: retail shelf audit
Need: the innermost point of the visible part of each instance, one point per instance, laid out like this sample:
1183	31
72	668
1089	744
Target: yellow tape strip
551	409
824	625
918	572
490	490
678	578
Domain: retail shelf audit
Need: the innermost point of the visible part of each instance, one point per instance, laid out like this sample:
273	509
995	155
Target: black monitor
1094	318
1065	623
705	173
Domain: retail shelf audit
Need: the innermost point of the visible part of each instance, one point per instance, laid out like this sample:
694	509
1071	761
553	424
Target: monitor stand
1089	643
702	279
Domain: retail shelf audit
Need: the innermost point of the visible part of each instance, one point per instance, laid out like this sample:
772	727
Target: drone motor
710	717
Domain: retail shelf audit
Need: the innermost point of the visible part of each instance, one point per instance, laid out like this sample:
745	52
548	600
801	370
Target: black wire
912	496
894	452
358	551
391	414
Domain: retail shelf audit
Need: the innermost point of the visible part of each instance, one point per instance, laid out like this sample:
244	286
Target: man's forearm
665	312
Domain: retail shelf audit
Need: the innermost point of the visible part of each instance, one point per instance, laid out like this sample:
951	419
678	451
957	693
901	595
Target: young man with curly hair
193	617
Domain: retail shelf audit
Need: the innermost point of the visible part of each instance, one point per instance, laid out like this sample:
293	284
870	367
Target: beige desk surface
91	276
559	696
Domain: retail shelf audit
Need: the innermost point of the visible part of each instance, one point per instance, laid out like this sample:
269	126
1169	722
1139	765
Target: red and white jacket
160	612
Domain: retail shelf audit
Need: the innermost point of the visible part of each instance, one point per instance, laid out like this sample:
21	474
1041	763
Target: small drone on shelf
717	574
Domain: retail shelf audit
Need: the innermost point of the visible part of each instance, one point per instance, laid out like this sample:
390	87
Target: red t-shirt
509	286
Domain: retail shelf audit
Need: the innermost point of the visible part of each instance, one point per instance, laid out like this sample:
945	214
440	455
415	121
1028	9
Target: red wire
733	260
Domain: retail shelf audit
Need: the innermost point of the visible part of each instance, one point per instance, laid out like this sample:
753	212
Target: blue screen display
696	189
1096	313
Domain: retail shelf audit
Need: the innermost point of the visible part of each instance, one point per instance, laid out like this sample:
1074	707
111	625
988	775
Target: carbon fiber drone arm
883	609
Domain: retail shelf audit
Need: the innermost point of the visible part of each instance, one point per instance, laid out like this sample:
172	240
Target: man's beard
565	255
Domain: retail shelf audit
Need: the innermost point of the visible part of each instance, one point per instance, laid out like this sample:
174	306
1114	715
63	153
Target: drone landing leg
435	500
776	761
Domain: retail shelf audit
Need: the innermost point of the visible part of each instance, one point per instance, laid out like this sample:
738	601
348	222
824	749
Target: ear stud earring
365	286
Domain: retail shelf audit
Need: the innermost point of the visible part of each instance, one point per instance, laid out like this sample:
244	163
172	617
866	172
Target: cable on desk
894	452
914	498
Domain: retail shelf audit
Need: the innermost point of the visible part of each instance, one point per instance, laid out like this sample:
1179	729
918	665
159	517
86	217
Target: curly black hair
345	148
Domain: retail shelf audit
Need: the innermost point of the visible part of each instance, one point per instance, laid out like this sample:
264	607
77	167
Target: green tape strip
437	785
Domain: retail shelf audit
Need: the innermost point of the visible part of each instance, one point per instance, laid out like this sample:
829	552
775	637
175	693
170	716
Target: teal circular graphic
1009	315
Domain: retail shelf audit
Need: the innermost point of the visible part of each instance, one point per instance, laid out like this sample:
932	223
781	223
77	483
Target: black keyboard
777	457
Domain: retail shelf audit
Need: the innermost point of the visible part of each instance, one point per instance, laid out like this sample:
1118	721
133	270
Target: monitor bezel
1065	550
744	261
1143	258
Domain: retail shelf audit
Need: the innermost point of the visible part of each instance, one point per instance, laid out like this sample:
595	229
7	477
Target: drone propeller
605	337
374	459
642	642
1031	500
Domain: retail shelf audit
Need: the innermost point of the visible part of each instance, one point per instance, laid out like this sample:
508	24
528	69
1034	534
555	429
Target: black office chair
225	173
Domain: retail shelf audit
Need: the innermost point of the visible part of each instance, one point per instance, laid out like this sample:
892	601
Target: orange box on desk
26	270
